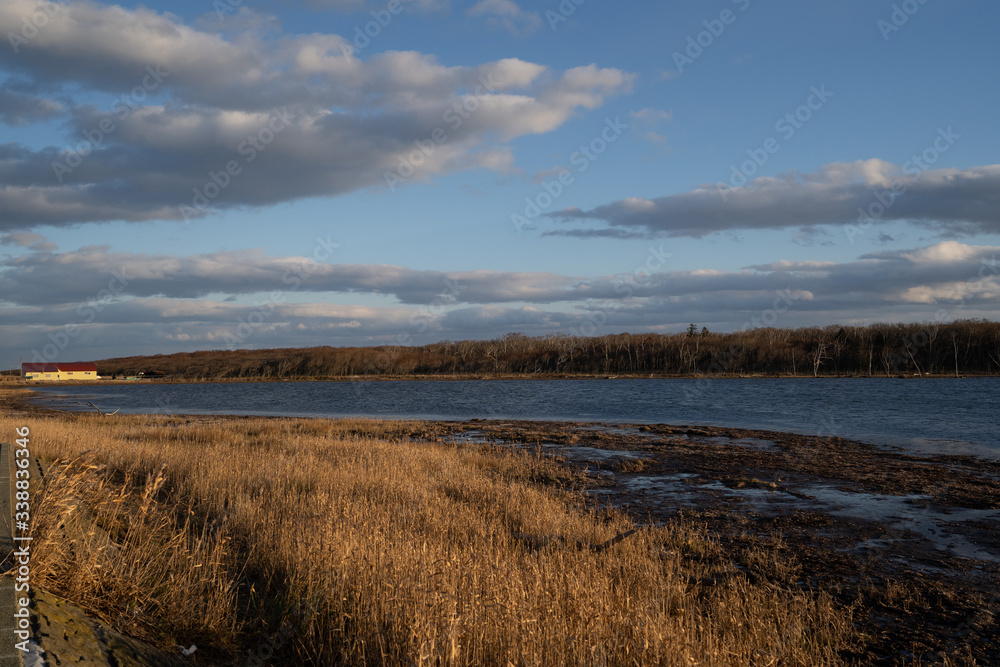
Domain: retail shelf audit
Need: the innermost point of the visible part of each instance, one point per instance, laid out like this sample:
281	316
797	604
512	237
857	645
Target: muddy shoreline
909	543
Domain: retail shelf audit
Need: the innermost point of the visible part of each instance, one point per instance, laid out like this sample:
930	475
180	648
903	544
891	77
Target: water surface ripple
940	415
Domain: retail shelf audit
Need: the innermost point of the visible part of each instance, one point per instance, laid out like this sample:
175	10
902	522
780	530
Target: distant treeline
966	347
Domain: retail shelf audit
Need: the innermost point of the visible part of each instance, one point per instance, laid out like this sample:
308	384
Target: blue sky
593	168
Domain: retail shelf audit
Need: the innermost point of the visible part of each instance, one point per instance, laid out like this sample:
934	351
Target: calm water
954	416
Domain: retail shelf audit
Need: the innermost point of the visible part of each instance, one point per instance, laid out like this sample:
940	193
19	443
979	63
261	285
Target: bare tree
819	355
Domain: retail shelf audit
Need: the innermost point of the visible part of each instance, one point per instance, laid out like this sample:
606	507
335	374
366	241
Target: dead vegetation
337	542
133	555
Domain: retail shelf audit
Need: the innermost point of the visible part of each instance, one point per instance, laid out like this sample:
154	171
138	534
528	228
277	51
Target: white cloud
854	195
35	242
941	253
507	14
651	115
353	120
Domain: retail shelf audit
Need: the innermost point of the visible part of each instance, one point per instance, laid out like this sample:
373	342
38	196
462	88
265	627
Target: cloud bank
858	194
200	122
173	303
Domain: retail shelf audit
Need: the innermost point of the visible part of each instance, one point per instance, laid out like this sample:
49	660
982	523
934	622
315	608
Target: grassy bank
342	542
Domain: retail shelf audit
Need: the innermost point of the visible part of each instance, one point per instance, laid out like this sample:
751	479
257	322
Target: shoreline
857	519
941	443
6	382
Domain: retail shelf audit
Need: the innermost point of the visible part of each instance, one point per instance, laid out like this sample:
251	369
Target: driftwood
97	408
536	542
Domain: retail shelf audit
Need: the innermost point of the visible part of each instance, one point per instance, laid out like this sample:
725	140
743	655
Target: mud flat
910	542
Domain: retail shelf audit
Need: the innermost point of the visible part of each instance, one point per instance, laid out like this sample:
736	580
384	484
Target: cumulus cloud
188	102
853	195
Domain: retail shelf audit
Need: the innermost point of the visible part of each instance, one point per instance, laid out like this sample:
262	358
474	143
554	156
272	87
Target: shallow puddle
593	453
474	438
942	526
674	488
907	513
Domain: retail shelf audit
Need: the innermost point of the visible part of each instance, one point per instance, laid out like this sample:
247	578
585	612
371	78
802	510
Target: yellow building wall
61	375
77	375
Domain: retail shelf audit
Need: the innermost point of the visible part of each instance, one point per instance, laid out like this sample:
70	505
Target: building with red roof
55	370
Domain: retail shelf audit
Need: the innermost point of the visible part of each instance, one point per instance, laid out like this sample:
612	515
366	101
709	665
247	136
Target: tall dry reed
383	551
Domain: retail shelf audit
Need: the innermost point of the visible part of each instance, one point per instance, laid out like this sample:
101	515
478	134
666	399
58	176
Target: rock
67	636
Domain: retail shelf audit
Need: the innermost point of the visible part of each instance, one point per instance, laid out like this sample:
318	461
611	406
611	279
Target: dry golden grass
131	559
370	550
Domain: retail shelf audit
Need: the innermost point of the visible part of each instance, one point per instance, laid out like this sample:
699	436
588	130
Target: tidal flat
910	542
370	541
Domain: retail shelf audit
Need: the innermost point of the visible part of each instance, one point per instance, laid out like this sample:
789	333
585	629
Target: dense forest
966	347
